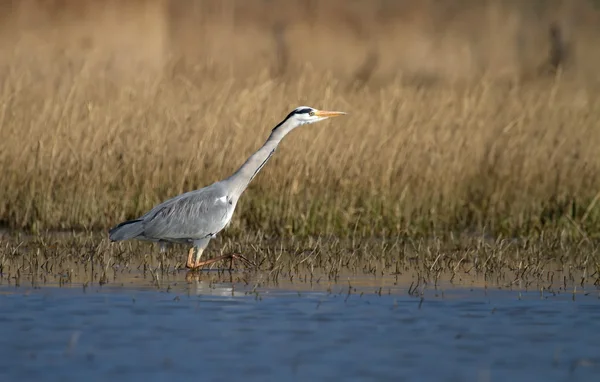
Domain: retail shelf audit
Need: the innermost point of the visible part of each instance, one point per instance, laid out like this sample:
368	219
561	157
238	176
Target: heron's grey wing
193	215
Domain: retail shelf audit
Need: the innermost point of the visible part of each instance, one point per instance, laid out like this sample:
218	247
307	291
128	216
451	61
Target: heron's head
304	115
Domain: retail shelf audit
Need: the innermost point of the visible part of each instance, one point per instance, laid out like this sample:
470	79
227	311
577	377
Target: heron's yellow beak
329	114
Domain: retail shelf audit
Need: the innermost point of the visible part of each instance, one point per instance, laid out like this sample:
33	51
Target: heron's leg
243	259
232	257
195	253
194	256
204	263
191	258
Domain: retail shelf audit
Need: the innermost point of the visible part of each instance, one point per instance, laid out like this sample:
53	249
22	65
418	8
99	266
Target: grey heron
197	216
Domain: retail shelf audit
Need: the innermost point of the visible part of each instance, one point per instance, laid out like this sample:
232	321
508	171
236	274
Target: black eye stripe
302	111
294	112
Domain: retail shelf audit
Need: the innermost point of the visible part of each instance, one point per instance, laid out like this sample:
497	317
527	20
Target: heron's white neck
239	181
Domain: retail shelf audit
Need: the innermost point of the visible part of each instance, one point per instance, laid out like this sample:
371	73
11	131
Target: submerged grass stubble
549	264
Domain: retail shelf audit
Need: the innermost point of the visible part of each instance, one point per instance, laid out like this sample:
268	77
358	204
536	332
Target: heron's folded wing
190	216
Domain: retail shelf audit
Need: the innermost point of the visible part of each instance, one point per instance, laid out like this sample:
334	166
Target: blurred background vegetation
432	39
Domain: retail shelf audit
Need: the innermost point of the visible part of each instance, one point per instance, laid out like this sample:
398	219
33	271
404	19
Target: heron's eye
312	113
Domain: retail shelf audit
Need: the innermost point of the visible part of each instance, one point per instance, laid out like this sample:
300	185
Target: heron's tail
126	230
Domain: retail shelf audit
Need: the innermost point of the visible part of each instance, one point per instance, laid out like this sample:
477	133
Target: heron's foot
243	259
231	257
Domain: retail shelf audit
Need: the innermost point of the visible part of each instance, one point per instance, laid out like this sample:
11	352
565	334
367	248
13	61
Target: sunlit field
472	118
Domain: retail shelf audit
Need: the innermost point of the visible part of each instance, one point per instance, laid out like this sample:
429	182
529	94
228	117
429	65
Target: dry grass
467	134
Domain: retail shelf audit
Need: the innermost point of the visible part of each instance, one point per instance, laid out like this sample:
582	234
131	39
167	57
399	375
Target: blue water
212	334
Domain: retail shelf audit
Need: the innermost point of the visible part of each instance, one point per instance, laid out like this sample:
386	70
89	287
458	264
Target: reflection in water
199	285
222	331
207	288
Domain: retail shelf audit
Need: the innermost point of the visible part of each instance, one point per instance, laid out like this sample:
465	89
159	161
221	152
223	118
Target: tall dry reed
88	142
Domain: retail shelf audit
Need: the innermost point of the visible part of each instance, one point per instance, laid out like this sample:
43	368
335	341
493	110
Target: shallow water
222	332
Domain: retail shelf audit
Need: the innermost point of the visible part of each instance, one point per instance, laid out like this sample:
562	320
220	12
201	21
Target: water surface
209	331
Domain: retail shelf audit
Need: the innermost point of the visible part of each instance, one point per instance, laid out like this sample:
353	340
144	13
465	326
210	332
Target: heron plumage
191	216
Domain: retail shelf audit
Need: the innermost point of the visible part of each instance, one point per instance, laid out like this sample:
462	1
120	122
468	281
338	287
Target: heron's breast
226	206
230	210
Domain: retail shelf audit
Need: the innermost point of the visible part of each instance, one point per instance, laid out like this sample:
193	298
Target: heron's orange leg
242	258
200	264
191	259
